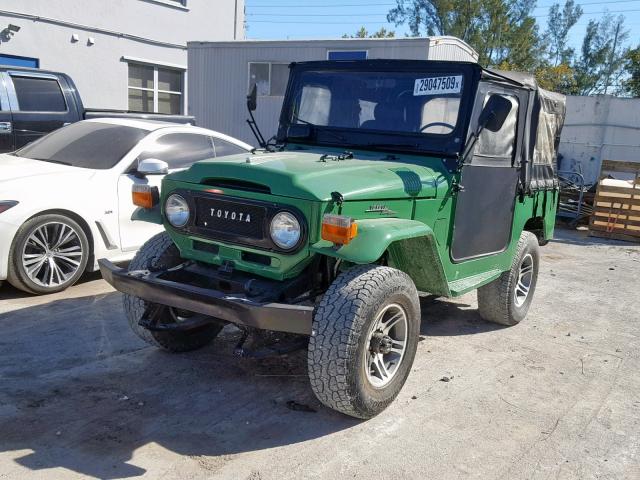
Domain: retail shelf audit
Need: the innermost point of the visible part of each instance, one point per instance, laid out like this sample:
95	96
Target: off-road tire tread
157	253
495	299
337	326
15	276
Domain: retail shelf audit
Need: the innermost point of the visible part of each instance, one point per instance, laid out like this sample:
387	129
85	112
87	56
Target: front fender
149	215
411	245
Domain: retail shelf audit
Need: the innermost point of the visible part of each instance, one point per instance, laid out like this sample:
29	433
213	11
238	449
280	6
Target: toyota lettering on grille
231	215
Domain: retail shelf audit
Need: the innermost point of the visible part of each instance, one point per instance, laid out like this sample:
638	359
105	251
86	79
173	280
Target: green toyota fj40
386	179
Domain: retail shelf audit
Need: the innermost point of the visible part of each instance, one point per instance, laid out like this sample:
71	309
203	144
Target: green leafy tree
499	30
632	67
557	78
364	33
600	67
559	24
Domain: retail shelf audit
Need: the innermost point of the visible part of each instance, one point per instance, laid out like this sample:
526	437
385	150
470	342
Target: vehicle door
489	181
7	143
38	105
180	151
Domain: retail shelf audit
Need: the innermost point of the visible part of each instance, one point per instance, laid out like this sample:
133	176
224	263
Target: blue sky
305	19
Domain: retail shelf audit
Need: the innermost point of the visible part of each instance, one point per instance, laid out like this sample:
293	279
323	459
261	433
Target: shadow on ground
570	236
8	292
81	392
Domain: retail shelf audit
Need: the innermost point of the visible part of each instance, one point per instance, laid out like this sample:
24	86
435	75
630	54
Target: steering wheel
437	124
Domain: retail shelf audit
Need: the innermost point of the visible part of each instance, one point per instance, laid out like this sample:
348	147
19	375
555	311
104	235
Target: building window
271	78
155	89
347	55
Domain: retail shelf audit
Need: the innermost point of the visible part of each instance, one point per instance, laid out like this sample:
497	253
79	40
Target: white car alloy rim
52	254
386	345
525	278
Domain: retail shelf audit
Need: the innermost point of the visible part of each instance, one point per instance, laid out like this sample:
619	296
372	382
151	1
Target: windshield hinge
336	158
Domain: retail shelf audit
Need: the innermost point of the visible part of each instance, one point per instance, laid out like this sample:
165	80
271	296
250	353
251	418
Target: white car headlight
176	209
285	230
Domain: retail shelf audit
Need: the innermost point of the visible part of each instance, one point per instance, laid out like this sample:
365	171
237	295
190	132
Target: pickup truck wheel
48	254
506	300
364	339
157	254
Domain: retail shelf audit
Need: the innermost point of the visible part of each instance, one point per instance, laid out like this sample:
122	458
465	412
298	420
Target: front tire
48	254
160	253
507	299
364	340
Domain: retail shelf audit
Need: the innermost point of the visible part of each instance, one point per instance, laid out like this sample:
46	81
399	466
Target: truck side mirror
495	113
153	166
252	98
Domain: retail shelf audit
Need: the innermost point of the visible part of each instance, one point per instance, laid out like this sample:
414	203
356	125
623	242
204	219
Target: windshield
411	103
92	145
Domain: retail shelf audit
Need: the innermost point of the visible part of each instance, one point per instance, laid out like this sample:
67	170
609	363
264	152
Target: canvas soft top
547	119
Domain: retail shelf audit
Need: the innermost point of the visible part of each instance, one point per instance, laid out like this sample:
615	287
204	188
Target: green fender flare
149	215
411	245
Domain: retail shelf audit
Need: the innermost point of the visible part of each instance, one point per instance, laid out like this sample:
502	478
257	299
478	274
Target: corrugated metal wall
219	72
599	128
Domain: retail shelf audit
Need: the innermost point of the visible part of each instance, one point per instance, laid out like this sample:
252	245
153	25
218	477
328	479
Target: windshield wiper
337	136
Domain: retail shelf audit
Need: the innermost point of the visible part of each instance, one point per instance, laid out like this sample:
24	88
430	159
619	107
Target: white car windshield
92	145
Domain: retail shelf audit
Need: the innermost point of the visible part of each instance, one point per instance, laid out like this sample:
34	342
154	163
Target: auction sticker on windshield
438	85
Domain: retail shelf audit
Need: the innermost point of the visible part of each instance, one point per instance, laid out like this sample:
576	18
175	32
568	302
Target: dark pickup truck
34	102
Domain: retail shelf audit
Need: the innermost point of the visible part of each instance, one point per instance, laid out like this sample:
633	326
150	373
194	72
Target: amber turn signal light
145	196
339	229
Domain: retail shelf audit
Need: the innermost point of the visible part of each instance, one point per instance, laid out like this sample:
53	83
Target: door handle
6	128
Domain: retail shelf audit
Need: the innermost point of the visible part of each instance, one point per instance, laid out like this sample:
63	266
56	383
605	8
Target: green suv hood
307	175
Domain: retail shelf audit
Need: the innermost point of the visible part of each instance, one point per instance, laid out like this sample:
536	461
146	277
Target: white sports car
65	200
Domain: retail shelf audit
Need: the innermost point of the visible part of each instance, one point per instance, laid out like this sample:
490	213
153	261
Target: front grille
230	218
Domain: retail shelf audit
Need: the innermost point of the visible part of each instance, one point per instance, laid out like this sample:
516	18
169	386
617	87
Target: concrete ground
557	396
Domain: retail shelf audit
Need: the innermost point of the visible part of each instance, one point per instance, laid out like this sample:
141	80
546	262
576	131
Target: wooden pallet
616	206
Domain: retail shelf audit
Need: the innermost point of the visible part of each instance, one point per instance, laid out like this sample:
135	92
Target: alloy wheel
52	254
525	279
386	345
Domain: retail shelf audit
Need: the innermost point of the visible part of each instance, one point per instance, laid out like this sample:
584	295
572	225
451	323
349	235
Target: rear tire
157	254
507	299
367	313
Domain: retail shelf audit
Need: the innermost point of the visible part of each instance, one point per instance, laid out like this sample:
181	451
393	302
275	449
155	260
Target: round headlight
177	210
285	230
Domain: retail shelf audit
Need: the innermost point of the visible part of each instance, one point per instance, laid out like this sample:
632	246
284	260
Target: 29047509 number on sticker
438	85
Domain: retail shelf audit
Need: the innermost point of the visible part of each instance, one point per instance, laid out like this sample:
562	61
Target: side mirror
252	99
153	166
495	112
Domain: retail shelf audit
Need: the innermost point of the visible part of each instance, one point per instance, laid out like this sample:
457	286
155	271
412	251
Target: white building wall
161	27
599	128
